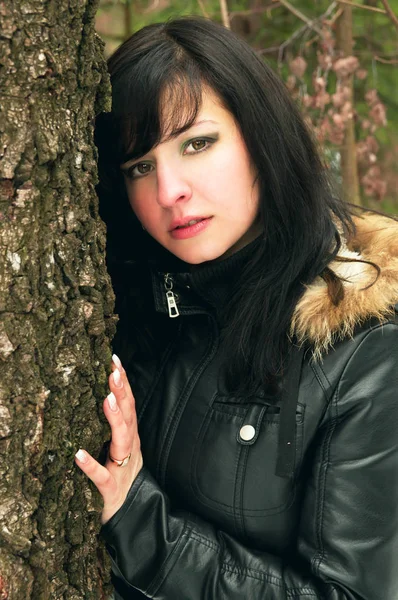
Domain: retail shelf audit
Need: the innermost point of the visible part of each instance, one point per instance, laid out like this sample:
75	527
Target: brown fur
317	320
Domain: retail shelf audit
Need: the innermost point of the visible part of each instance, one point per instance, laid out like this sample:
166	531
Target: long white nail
112	401
81	456
117	378
117	362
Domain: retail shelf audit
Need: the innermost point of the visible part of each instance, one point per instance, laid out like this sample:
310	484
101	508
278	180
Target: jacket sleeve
348	534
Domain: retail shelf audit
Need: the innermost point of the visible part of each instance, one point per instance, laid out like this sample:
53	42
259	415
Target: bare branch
302	30
364	6
224	14
390	12
300	16
336	15
255	10
202	8
386	61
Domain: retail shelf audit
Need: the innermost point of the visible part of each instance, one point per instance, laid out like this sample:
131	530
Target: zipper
171	298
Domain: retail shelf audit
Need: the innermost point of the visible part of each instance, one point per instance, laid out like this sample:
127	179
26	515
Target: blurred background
339	60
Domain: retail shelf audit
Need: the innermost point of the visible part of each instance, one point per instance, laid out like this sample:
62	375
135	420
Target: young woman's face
204	175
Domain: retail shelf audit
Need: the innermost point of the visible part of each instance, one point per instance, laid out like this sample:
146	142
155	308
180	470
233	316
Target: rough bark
349	166
56	301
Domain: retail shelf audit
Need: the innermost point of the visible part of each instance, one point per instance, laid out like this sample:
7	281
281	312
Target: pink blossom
346	66
371	97
373	184
378	114
361	74
298	66
372	144
321	100
327	42
338	120
343	93
346	111
319	84
324	61
336	136
291	82
308	101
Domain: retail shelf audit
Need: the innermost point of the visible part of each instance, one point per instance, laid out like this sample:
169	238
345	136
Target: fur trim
318	321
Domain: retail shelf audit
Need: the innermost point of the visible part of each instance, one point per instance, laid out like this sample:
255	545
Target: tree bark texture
56	301
348	153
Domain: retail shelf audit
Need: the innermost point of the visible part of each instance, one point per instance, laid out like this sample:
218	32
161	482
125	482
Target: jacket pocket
235	458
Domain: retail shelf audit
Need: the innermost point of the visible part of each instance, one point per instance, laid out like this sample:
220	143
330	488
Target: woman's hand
114	481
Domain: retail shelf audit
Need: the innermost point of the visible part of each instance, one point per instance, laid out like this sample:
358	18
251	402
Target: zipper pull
170	297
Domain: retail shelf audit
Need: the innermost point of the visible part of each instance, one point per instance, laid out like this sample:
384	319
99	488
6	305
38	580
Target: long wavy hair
301	216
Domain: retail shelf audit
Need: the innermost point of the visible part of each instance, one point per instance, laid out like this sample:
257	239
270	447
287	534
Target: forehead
152	119
178	111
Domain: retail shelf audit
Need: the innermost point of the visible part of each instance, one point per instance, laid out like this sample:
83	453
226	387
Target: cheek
139	200
234	184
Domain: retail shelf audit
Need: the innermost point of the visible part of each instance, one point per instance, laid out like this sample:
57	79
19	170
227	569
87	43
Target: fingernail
112	401
117	362
81	456
117	378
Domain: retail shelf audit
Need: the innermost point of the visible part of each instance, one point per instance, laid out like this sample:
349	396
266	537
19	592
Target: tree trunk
56	302
349	167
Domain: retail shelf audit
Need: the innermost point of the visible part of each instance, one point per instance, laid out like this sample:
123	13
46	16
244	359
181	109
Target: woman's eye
198	145
139	170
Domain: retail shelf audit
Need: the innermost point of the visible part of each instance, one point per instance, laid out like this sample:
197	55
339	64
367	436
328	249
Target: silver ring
120	463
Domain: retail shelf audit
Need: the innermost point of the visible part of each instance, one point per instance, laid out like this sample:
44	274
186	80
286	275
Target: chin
196	257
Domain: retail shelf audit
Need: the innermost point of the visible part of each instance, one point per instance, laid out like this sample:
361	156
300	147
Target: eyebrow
196	124
203	121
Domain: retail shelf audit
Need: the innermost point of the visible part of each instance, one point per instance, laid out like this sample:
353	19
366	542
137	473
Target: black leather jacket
209	516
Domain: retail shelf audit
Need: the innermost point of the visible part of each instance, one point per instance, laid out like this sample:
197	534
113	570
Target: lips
193	222
188	221
188	228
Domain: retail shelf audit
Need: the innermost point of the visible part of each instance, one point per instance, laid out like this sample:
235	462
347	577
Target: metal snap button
247	433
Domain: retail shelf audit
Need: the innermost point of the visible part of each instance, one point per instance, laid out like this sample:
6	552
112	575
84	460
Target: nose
172	186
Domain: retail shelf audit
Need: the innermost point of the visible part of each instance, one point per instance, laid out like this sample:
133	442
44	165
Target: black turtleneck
213	281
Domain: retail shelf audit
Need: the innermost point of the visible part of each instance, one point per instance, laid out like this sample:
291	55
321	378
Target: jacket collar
201	288
318	321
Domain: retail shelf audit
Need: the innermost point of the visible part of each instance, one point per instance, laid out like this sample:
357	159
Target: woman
257	331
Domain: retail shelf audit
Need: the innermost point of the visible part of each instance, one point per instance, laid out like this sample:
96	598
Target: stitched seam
314	369
179	409
268	578
253	573
230	568
253	512
157	377
238	491
163	571
317	559
320	365
205	541
323	471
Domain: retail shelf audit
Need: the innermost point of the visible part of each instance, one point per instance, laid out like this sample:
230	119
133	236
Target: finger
117	364
99	475
122	434
119	385
124	397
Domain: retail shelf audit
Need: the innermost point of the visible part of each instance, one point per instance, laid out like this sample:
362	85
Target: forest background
338	59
